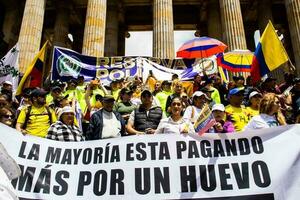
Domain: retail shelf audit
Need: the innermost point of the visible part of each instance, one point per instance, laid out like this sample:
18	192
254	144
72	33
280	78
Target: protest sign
69	64
261	164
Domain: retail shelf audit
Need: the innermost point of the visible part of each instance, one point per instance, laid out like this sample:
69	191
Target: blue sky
140	42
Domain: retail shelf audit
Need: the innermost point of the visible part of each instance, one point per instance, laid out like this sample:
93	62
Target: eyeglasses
183	96
7	116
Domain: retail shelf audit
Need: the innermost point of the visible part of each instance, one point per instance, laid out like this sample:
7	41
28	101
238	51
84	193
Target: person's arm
87	98
130	126
21	121
103	88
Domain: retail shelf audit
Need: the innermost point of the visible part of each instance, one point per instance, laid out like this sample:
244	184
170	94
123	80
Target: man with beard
37	118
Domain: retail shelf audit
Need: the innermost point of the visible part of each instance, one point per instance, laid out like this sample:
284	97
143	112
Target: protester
164	94
215	95
177	90
221	125
145	118
125	106
198	101
269	113
185	100
197	83
64	129
36	118
175	124
217	83
254	101
4	101
106	123
269	86
7	117
157	88
235	112
54	94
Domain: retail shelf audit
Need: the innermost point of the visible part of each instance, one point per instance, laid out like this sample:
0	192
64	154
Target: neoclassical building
99	27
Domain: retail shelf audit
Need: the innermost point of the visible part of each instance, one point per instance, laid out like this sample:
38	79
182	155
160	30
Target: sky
140	42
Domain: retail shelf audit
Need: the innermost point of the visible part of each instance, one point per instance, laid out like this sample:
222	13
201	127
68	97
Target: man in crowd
163	95
37	118
145	119
235	111
106	123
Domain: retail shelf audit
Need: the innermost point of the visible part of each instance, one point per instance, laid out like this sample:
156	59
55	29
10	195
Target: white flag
9	67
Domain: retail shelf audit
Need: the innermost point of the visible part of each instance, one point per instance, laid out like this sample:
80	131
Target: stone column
163	36
264	13
94	30
61	27
111	31
31	31
293	15
214	20
232	24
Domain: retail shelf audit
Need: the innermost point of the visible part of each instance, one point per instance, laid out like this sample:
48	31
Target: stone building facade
99	27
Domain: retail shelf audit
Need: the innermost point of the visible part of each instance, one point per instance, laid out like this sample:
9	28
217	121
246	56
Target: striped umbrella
202	47
236	60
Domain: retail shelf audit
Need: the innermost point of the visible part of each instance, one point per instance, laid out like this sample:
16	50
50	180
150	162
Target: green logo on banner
68	66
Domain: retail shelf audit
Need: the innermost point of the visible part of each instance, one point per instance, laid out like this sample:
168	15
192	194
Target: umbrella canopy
236	60
202	47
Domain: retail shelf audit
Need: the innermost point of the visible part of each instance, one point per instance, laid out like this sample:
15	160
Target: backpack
28	115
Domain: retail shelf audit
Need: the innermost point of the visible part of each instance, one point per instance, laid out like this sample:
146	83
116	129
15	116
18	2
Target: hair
267	103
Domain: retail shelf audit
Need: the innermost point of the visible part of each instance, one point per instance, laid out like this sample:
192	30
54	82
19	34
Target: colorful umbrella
202	47
236	60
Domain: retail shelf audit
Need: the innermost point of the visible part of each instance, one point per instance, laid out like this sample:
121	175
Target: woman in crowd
254	101
7	117
198	101
221	125
269	113
64	129
175	123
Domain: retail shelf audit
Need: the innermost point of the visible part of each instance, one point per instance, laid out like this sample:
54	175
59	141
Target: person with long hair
175	124
269	113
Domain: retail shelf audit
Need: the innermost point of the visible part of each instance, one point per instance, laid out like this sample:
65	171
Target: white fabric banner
9	67
262	164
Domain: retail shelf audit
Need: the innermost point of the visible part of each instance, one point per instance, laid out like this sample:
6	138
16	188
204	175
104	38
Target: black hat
166	82
56	88
205	89
146	92
108	98
38	92
73	81
126	91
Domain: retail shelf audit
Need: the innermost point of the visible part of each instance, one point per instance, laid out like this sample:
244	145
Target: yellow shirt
238	116
38	123
252	112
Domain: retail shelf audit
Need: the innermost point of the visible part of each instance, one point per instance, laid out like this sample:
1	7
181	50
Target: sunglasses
7	116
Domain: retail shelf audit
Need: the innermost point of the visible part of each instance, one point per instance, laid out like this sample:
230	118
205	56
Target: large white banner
261	164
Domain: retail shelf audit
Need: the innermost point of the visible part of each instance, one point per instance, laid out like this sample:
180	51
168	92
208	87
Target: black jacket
95	128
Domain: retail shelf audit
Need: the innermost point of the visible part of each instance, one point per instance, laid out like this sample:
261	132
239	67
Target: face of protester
71	85
157	86
39	101
147	100
178	89
166	87
236	99
56	93
218	115
108	105
255	100
7	87
176	107
275	106
67	118
199	101
126	97
7	118
198	79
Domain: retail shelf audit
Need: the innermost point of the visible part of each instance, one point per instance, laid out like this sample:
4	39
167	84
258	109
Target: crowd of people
77	110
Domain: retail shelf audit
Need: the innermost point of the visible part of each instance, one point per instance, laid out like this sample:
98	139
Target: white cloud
140	42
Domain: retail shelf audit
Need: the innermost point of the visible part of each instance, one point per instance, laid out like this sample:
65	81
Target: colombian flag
33	76
269	54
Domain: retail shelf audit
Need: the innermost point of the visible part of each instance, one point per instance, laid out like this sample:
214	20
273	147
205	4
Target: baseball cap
199	94
7	83
254	93
235	91
166	82
218	106
66	109
126	91
146	92
108	98
56	88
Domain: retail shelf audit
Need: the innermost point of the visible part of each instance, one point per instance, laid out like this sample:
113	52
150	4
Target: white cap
66	109
198	94
218	106
252	94
7	82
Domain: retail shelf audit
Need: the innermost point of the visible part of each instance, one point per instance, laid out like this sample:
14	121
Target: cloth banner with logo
69	64
262	164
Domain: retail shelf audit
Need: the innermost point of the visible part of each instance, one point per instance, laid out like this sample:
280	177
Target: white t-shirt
167	125
192	113
111	125
262	121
